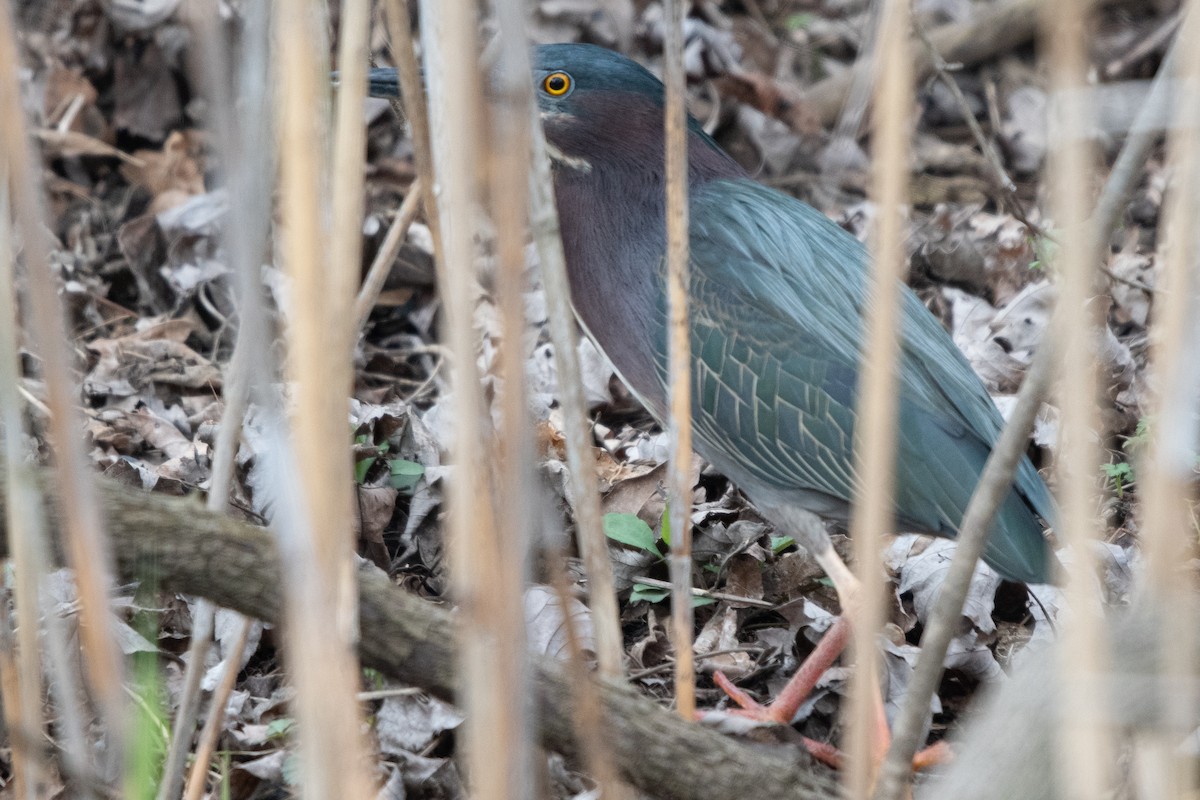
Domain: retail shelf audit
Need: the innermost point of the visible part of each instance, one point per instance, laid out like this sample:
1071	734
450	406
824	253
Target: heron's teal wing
778	296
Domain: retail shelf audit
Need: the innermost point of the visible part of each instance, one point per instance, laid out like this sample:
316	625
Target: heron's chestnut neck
609	181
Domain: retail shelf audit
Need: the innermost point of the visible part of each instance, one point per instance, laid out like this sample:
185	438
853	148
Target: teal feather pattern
775	395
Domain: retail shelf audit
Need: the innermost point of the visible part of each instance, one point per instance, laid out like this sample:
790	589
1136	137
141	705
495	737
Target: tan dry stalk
319	586
589	525
212	60
28	553
87	545
1086	756
590	728
450	47
994	485
508	175
679	423
372	285
27	772
1143	135
342	274
236	393
216	714
997	474
875	439
183	727
513	117
1167	476
412	93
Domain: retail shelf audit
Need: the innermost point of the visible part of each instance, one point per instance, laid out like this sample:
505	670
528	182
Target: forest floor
136	209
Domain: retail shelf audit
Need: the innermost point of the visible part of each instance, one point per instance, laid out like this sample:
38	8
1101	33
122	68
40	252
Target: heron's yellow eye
557	84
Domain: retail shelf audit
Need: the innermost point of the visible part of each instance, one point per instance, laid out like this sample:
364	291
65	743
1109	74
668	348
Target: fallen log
236	565
991	31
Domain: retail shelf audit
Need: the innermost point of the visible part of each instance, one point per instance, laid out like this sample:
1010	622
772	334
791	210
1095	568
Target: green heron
776	303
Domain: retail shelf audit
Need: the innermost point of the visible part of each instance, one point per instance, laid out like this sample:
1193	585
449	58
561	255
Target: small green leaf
1121	474
405	474
373	678
1121	469
781	543
1141	436
644	593
666	524
278	728
799	22
629	529
647	594
361	468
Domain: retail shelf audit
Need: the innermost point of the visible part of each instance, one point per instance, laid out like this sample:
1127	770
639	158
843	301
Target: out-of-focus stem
679	423
1084	729
875	438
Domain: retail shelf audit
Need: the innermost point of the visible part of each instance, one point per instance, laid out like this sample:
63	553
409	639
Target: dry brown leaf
790	574
922	563
545	625
971	324
155	355
628	565
69	104
1130	302
376	505
1024	129
633	488
654	648
721	633
744	578
408	723
72	144
172	174
148	103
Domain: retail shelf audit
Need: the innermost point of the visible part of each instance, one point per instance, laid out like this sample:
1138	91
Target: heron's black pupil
557	83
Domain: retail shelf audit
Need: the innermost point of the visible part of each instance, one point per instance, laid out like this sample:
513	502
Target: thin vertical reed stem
508	158
1167	476
372	285
994	485
245	227
412	92
27	767
450	48
875	437
27	555
343	272
589	717
1084	728
216	714
588	709
679	424
585	501
87	543
184	726
236	396
319	584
